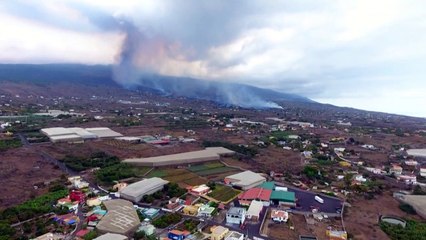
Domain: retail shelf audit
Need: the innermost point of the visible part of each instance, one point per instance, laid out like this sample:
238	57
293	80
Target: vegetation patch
117	172
412	231
6	144
99	159
223	193
170	190
210	169
166	220
32	208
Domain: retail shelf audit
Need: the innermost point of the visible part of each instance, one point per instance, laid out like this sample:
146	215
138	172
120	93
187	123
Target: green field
157	173
223	193
182	177
214	171
210	169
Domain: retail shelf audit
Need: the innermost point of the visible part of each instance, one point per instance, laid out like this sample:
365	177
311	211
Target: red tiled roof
82	232
277	214
256	193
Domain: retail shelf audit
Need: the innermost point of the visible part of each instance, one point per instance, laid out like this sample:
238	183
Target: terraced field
209	169
224	193
182	177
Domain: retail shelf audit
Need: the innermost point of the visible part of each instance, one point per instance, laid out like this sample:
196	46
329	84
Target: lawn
224	193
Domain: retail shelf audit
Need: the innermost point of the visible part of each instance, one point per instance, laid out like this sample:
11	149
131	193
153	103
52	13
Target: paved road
306	200
23	139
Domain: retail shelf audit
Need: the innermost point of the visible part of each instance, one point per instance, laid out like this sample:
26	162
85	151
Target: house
279	215
199	190
77	196
344	164
91	202
236	215
369	147
337	235
258	194
191	210
254	210
408	179
218	232
359	178
146	227
205	211
173	204
293	137
283	198
234	236
68	203
150	213
307	154
374	170
411	163
177	235
119	186
78	182
395	169
82	233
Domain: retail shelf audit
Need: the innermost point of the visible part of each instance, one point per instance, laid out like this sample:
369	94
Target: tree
310	172
6	230
348	179
91	235
211	185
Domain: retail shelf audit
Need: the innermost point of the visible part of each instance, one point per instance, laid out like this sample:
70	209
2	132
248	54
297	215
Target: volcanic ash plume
142	59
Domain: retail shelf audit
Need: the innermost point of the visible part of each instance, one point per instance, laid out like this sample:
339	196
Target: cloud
339	51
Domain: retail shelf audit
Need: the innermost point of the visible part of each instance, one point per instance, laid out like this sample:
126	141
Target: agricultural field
182	177
224	193
208	169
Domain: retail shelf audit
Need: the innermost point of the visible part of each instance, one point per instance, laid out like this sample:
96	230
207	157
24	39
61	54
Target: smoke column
141	54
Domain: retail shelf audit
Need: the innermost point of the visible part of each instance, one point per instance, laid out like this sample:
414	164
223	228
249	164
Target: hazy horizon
364	54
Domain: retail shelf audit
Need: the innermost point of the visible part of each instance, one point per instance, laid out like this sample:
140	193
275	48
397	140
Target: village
154	172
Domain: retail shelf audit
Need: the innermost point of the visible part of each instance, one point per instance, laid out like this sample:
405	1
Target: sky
363	54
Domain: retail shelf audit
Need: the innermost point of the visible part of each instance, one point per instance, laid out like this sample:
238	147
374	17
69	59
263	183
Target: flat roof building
135	191
236	215
234	236
111	236
253	212
283	198
245	180
258	194
76	134
104	132
208	154
218	232
421	153
121	218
